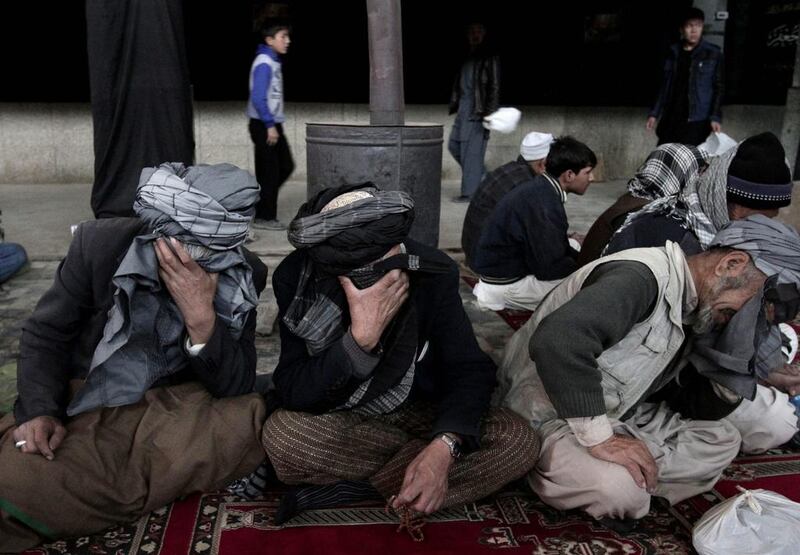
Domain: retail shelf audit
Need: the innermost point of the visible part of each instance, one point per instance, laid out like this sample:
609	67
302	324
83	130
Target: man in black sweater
524	251
383	388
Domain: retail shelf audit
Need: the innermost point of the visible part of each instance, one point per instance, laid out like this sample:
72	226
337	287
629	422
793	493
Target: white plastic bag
757	522
504	120
717	143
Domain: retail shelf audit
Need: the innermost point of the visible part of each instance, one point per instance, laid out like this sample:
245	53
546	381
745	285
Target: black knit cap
758	176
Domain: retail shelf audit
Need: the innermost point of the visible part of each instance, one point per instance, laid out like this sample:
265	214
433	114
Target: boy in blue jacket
273	159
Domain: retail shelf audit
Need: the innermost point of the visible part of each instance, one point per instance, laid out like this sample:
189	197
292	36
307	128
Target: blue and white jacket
266	87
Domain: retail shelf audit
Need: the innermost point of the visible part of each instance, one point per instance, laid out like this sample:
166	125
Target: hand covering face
749	345
142	341
349	239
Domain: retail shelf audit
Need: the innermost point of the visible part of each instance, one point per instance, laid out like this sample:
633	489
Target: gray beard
703	322
197	251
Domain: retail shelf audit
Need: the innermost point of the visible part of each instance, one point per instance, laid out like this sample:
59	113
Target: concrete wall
52	143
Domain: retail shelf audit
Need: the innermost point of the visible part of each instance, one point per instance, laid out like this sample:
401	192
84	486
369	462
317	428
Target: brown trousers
323	449
120	463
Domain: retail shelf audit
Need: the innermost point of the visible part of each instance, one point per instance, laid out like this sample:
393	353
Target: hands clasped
786	379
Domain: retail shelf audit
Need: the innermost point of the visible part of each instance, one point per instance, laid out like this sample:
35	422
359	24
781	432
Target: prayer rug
514	519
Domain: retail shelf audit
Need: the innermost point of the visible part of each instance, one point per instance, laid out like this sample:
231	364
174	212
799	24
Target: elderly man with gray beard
136	365
630	367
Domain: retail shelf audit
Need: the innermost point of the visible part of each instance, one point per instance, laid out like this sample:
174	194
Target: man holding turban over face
135	364
383	389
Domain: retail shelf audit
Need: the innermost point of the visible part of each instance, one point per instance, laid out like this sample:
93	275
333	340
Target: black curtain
141	95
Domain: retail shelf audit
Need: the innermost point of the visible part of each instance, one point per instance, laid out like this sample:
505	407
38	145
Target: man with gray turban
750	178
382	386
601	370
135	364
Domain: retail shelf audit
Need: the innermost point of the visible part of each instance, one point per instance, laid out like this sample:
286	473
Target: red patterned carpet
218	523
513	520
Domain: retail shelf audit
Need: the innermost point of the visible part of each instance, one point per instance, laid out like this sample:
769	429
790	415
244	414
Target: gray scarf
749	345
143	337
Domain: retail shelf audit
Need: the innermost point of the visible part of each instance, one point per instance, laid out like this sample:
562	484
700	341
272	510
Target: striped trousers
323	449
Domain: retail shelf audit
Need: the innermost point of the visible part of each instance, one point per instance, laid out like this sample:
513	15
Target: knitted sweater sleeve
567	343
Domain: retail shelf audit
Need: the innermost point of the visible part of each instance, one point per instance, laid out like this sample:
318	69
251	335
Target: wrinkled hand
716	126
650	124
786	379
272	136
425	483
191	287
372	309
633	455
43	435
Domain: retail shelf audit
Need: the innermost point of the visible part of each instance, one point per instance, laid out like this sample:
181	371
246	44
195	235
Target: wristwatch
452	443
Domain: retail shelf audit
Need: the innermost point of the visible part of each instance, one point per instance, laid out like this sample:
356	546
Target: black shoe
461	198
287	508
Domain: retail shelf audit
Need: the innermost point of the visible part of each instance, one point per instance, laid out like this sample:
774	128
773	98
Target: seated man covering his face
381	381
750	178
157	301
600	368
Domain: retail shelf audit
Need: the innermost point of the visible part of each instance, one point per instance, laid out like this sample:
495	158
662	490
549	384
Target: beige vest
629	367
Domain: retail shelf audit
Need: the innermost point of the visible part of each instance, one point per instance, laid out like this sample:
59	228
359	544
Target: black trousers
274	165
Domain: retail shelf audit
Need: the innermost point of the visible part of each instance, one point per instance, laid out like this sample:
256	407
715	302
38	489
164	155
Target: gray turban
749	346
773	246
208	205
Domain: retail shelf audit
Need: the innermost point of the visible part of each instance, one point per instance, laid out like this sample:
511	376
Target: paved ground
39	217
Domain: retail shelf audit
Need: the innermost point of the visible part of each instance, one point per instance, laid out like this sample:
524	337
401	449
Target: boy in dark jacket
524	250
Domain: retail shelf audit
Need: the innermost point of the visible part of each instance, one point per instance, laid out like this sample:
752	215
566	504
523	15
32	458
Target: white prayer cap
504	120
535	145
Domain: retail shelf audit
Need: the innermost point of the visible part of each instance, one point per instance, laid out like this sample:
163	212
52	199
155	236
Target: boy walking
273	159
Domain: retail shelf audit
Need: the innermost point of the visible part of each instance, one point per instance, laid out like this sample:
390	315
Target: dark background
601	52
